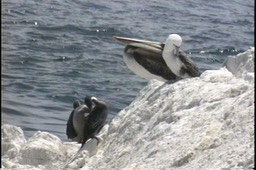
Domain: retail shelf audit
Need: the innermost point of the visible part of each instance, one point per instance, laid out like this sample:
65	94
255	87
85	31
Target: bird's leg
82	144
100	129
81	141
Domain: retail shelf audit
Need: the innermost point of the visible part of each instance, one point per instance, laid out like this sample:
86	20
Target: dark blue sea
56	51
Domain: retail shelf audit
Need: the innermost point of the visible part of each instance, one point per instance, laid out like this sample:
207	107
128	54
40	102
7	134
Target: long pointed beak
140	43
177	49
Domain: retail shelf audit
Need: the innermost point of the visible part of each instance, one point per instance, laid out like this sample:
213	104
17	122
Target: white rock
12	140
42	148
242	64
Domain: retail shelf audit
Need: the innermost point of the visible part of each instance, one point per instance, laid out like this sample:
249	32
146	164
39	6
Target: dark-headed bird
155	60
78	119
86	120
96	120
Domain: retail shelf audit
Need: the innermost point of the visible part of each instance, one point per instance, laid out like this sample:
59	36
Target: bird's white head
171	51
94	99
174	39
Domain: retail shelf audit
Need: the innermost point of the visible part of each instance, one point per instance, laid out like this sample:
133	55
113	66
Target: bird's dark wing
95	123
189	66
151	61
70	131
86	130
99	121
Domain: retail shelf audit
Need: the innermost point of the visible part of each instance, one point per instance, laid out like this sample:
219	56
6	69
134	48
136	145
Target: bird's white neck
171	59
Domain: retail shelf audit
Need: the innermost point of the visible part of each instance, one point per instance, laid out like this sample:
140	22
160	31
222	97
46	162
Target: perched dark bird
96	120
78	119
70	131
86	120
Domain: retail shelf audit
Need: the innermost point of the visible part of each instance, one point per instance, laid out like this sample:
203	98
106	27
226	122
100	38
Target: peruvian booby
155	60
86	120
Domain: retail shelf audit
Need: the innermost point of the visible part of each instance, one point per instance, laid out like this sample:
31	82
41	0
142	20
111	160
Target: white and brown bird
155	60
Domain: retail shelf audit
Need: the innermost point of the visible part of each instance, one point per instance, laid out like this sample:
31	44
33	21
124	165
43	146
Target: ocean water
54	52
